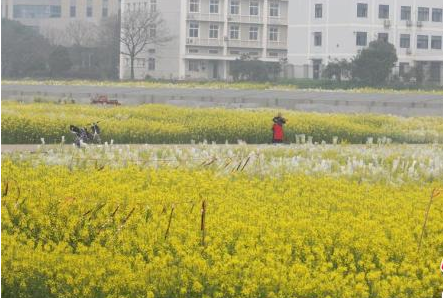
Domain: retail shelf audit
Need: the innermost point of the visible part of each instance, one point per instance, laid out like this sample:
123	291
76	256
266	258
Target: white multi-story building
208	35
43	14
324	30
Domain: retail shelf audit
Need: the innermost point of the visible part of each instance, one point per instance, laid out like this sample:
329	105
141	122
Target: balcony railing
236	18
211	42
210	17
277	21
282	45
244	44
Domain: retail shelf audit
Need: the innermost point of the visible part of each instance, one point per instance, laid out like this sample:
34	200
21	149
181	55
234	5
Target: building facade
208	35
324	30
49	15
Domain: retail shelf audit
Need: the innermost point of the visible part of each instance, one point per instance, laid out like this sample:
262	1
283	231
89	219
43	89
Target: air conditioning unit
387	23
190	40
408	51
226	38
409	23
419	24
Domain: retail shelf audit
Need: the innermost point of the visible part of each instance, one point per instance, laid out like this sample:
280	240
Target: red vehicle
103	100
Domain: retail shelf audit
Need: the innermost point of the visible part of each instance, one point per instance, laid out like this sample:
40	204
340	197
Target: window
193	66
318	11
274	9
422	42
383	37
139	62
213	51
253	33
193	29
151	51
193	51
383	11
234	32
55	11
273	54
72	9
153	7
437	14
406	13
405	41
153	31
89	8
234	52
29	11
37	11
253	8
273	34
194	5
362	39
151	64
235	6
436	42
317	39
213	31
213	6
362	10
105	8
423	14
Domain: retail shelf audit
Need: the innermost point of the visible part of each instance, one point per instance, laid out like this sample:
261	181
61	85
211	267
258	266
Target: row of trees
86	50
372	67
247	68
82	49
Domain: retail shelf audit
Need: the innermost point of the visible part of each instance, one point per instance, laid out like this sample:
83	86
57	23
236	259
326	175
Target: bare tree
81	33
140	29
54	35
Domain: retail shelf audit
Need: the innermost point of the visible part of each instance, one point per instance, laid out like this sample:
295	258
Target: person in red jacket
277	129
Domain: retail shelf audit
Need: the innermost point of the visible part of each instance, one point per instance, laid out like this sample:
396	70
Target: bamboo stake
435	193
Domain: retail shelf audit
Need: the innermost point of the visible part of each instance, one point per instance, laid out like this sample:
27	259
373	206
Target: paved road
406	104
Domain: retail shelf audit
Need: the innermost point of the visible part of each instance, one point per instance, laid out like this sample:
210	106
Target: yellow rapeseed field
28	123
100	229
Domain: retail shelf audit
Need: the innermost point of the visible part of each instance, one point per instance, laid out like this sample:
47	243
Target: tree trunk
132	68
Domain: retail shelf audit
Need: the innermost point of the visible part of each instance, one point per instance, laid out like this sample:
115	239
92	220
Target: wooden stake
202	225
169	223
